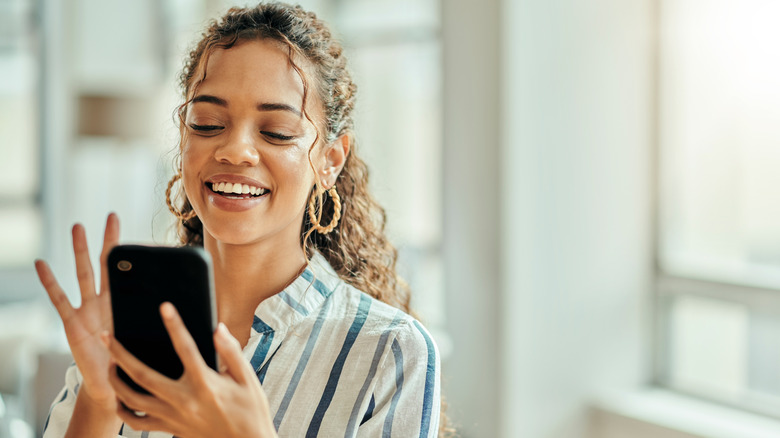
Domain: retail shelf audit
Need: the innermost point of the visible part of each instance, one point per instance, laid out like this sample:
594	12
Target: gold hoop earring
184	217
315	222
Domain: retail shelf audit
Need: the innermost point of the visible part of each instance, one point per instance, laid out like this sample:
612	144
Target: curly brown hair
357	248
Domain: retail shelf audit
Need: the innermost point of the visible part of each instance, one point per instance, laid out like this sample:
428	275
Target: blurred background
582	192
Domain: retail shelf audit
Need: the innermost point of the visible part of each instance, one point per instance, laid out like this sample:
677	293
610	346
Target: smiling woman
315	338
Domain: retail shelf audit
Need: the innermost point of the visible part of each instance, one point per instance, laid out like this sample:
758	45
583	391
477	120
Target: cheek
297	173
189	166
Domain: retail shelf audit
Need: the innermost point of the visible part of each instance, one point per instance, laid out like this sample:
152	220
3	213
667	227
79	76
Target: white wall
471	211
552	305
576	164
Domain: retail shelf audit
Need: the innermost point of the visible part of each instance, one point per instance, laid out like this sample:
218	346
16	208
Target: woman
309	303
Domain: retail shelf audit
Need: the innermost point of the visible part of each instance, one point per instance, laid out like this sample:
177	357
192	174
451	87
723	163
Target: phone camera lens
124	265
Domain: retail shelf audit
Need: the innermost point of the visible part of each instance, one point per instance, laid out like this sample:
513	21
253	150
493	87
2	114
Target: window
719	192
20	211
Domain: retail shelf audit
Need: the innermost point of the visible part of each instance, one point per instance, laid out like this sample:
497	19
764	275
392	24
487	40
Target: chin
233	235
245	233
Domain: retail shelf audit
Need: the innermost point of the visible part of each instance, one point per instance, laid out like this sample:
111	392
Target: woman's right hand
84	325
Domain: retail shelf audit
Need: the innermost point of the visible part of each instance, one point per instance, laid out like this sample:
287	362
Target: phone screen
141	279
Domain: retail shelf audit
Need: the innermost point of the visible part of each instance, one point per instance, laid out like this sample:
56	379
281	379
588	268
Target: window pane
18	124
20	236
708	348
723	350
357	18
720	130
398	132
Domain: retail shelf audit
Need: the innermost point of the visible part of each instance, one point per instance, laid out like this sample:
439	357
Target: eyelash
212	128
278	136
205	128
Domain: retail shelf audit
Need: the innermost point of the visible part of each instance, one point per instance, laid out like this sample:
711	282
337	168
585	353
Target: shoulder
375	322
384	324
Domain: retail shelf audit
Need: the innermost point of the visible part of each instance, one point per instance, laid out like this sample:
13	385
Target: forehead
255	71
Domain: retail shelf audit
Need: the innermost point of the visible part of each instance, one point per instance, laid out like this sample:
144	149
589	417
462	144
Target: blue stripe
145	434
262	350
380	348
338	366
122	429
264	369
292	303
370	411
315	332
430	376
399	383
260	326
320	286
48	417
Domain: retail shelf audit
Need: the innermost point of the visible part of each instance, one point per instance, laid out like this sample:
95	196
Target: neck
245	275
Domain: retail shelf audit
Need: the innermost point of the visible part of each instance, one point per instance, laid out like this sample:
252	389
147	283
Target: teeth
239	189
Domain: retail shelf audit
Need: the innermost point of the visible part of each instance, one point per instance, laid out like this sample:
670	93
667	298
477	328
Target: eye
206	129
278	136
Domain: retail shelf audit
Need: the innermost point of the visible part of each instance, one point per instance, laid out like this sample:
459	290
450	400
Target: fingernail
166	309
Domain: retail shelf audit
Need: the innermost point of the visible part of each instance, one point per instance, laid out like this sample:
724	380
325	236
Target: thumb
232	361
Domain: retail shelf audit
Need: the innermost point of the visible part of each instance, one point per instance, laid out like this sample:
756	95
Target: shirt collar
302	297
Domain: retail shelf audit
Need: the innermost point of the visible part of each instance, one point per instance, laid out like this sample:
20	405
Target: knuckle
84	275
142	377
58	299
49	283
190	407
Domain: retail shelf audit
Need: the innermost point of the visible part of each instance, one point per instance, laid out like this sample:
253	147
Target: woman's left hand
202	402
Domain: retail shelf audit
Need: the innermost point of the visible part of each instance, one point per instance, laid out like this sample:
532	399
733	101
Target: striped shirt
332	361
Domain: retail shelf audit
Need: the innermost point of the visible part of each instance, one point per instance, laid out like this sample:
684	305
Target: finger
133	400
154	382
53	289
144	422
229	351
84	272
110	240
182	340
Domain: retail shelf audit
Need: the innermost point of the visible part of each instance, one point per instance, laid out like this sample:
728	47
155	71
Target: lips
234	193
236	186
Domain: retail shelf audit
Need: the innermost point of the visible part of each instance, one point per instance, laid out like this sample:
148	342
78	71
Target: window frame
670	283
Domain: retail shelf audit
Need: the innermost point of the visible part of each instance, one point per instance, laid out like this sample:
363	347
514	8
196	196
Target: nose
238	149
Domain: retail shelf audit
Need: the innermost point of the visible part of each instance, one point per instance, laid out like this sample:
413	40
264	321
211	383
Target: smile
236	191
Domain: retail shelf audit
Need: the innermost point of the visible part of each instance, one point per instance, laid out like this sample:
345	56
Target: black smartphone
141	278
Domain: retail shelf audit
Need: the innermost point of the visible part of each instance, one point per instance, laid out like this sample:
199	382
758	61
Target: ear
335	155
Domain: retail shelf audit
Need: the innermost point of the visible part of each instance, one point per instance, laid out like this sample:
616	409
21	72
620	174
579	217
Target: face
245	158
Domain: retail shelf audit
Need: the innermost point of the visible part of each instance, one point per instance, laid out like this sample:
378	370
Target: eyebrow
278	107
209	99
260	107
